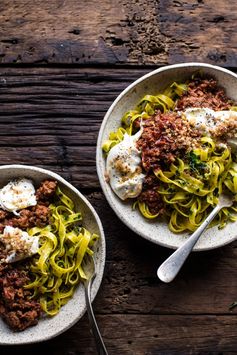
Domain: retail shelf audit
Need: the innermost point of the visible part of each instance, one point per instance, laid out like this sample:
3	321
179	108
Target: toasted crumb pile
165	136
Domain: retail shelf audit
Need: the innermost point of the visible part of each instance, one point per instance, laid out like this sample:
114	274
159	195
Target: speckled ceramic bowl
76	307
152	83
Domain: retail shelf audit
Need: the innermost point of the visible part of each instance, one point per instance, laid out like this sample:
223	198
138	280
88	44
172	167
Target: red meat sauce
167	136
204	93
17	309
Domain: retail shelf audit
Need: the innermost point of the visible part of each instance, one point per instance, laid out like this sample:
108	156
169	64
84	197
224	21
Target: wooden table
63	62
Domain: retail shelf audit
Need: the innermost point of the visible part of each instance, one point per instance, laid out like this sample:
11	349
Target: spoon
90	273
170	267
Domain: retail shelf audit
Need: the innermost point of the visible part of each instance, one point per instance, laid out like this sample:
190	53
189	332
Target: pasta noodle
191	185
57	268
189	196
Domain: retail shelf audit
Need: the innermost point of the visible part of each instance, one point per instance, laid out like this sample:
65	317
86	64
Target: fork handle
100	346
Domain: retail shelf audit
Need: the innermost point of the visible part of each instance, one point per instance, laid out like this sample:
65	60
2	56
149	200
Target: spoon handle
170	267
100	346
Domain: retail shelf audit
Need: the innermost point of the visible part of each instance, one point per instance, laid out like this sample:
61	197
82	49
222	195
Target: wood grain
118	32
146	334
50	117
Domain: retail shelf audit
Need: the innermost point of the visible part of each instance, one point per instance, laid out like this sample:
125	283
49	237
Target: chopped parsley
195	163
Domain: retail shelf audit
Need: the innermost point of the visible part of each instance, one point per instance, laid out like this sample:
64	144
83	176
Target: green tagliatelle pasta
190	193
57	268
191	186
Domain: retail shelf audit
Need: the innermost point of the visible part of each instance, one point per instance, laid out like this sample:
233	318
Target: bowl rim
99	142
99	275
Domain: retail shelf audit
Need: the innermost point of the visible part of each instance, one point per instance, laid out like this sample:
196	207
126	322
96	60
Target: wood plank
152	335
57	113
49	155
200	30
115	32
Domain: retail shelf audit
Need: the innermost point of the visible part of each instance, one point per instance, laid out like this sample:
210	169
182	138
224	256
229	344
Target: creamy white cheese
123	167
206	119
17	194
18	244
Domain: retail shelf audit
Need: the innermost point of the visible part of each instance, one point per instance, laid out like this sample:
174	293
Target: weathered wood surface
50	117
143	335
57	113
118	31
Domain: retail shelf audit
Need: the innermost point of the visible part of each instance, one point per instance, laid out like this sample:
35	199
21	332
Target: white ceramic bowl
70	313
152	83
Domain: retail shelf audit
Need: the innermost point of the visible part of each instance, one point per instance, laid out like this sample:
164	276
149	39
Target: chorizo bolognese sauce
42	247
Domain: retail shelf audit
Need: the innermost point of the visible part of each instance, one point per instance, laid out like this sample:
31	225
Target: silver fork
90	272
170	267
